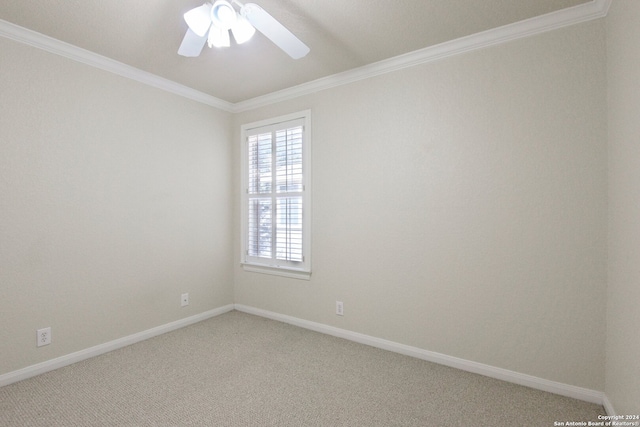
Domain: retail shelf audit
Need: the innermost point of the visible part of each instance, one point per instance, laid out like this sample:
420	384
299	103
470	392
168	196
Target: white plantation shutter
289	229
260	206
276	207
260	229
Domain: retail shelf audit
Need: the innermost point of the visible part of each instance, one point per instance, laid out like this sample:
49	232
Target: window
276	202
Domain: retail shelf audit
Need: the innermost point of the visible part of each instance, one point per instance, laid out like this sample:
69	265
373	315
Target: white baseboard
59	362
608	406
580	393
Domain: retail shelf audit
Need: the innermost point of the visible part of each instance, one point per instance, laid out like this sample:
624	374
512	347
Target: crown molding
562	18
593	9
75	53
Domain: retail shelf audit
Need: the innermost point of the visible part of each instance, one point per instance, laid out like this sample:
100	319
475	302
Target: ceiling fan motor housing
223	15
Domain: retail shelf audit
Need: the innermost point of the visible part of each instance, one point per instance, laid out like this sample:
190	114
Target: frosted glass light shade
199	19
242	30
219	37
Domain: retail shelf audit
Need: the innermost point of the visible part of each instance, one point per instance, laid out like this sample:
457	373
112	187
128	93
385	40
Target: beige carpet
242	370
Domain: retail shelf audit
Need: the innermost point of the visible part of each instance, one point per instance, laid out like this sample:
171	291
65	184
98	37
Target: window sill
285	272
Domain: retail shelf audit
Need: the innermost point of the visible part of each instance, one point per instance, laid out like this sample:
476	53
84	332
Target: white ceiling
342	34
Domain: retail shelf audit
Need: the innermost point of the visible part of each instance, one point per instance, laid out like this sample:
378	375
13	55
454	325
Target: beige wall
460	207
623	309
114	199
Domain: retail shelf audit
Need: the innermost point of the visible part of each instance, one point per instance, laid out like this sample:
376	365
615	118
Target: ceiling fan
210	23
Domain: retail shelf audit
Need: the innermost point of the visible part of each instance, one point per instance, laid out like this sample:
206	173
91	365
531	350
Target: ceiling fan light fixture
212	22
218	37
199	19
242	30
223	15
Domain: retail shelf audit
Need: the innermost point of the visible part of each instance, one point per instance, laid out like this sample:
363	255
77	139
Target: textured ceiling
342	35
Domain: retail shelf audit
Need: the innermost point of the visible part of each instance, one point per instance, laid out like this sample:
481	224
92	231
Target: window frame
298	270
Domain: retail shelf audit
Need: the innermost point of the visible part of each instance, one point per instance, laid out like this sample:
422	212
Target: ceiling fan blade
274	31
192	44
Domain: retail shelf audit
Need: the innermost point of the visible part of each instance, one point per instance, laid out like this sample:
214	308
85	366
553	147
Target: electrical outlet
43	336
339	308
184	300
